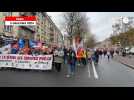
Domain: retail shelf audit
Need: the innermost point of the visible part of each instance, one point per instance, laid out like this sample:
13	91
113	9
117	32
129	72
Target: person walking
26	50
14	47
96	54
84	57
65	55
108	55
79	56
112	53
100	53
58	59
71	62
89	55
105	53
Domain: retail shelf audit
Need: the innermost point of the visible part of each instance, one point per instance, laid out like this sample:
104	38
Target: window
7	28
7	13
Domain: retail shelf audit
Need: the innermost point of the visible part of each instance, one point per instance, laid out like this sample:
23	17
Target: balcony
51	33
51	29
51	39
30	28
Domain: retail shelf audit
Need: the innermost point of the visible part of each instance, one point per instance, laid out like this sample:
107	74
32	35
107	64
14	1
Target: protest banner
41	62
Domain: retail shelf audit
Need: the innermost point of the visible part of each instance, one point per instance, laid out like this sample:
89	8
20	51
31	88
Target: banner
41	62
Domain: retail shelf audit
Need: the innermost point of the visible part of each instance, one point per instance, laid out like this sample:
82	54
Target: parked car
131	50
127	50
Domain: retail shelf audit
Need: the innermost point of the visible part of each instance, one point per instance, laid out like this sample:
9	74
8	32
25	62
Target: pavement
107	74
127	60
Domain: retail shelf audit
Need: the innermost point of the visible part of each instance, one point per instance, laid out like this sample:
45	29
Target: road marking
88	72
94	70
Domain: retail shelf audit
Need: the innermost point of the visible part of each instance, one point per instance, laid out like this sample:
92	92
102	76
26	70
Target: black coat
71	56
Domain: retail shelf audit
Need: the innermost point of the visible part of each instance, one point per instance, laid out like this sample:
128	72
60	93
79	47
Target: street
109	74
31	42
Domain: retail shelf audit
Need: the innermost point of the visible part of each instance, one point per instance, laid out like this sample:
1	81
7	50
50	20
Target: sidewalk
125	60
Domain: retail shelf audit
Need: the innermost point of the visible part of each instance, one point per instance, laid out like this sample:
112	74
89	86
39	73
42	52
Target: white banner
41	62
20	23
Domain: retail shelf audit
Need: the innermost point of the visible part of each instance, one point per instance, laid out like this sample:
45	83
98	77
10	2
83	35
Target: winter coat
58	57
71	57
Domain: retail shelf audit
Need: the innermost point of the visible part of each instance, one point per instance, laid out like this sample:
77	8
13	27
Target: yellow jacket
84	54
89	54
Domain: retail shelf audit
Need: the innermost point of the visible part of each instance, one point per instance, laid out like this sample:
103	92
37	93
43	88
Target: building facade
104	44
122	24
53	34
45	29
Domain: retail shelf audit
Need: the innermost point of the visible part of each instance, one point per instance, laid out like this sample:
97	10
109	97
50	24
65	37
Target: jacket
58	57
84	54
71	56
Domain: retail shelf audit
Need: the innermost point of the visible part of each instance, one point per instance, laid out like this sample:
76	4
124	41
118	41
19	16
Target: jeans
84	61
79	61
72	67
65	59
108	57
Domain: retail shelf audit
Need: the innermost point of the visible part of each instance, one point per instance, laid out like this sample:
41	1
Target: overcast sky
100	22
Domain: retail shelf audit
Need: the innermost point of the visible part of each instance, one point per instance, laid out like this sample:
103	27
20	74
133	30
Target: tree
91	41
114	39
70	22
76	25
126	39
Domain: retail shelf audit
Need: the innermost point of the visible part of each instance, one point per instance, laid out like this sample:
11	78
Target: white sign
20	23
41	62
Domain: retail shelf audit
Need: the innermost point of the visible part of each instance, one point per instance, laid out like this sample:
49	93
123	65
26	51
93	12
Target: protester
71	62
26	50
79	56
108	55
84	57
89	55
58	59
105	53
14	48
100	53
21	42
117	51
112	53
95	57
65	55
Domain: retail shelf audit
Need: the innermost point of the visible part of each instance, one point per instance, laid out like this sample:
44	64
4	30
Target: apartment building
53	34
122	24
45	29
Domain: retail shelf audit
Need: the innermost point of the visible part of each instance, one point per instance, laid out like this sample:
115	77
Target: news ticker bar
20	20
20	23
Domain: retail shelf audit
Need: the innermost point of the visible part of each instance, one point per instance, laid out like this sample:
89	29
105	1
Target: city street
33	40
109	74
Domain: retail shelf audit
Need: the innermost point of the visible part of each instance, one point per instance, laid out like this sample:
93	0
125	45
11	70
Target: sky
100	23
